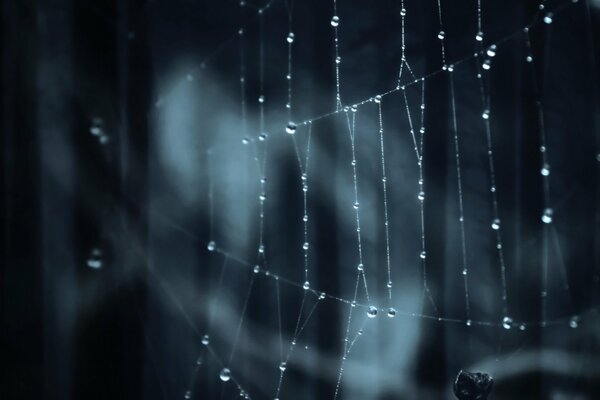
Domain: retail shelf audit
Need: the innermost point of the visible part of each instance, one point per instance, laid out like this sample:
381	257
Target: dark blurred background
120	117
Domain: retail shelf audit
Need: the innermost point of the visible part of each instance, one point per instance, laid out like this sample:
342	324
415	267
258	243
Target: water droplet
205	340
507	322
322	296
306	285
548	18
574	322
464	272
290	128
95	259
338	60
225	374
547	215
305	246
545	171
389	284
282	366
261	248
491	52
187	395
421	196
256	269
487	64
469	323
441	35
303	177
290	37
354	108
353	304
496	224
245	140
485	114
391	312
403	12
479	36
372	312
262	137
360	267
305	188
423	255
522	327
211	246
356	205
384	179
305	218
262	197
450	68
378	99
261	99
335	21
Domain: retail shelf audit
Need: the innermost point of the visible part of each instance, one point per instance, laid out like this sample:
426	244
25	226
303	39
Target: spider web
381	212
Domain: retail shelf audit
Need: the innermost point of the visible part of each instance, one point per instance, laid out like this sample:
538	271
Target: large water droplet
290	37
225	374
391	312
441	35
479	36
421	196
548	18
305	246
360	267
372	312
491	51
306	285
507	322
335	21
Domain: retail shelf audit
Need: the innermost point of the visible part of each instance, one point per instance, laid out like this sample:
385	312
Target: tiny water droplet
290	128
256	269
378	99
389	284
491	51
372	312
262	137
423	255
211	246
290	37
469	323
548	18
574	322
545	171
356	205
507	322
487	64
282	366
95	259
391	312
245	140
335	21
529	58
547	215
421	196
205	340
360	267
441	35
262	197
261	248
496	224
305	246
485	114
225	374
403	12
322	296
261	99
306	285
187	395
479	36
